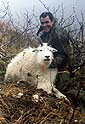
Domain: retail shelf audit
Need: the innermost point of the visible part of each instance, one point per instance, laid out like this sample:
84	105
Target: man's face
46	23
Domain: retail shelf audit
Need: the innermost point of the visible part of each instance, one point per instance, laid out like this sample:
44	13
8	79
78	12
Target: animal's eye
33	51
40	50
49	49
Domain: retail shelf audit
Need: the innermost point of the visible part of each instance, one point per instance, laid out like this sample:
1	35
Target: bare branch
44	5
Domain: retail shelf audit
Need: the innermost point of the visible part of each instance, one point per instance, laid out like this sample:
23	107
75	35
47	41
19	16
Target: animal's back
15	68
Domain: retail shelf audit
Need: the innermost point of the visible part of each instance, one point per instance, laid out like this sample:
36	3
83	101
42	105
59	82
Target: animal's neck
47	74
43	68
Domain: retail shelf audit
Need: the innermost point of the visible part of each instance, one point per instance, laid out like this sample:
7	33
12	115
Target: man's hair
49	14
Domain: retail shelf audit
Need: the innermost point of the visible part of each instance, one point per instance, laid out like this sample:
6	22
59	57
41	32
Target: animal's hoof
35	98
65	98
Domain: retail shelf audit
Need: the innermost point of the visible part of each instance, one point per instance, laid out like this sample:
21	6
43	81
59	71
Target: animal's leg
59	94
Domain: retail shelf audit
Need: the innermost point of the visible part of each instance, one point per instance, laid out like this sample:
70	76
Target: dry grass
18	107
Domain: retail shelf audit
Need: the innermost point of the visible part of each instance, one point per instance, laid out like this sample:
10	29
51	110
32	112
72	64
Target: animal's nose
47	57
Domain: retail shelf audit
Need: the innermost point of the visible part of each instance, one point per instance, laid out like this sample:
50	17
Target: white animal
32	66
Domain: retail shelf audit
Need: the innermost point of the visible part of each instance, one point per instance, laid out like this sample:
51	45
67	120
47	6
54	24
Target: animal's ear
41	44
54	50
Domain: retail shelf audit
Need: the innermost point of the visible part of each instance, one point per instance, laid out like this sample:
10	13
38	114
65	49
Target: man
58	38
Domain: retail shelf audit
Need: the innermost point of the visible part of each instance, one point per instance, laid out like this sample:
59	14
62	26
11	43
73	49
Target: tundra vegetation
16	102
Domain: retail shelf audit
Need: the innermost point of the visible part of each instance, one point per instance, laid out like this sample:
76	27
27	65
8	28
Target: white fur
32	66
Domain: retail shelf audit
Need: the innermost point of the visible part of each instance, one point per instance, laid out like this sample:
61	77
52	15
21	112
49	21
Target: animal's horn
48	42
40	42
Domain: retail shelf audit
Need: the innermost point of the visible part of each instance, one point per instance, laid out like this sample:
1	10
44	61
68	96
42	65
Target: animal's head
44	54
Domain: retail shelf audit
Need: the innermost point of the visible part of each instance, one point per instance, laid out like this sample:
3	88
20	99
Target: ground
18	107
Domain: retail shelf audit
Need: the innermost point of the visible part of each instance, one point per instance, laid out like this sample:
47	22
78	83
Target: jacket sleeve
66	42
66	51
